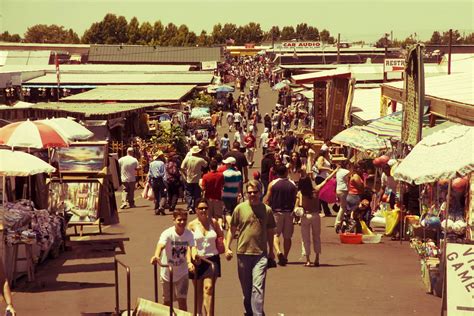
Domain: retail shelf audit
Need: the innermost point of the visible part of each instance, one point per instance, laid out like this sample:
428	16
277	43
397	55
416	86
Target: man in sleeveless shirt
281	197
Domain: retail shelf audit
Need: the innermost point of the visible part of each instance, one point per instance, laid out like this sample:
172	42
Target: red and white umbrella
32	135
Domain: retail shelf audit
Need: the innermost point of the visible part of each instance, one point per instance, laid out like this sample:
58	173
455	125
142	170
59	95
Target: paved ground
353	279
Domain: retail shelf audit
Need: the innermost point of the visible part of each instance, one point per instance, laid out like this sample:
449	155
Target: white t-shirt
264	140
237	117
128	166
388	182
176	247
239	137
341	179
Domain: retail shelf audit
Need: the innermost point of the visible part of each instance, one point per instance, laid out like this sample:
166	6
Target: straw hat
158	154
195	149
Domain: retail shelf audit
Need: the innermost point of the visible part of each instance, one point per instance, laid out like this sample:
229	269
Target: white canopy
18	163
69	128
445	154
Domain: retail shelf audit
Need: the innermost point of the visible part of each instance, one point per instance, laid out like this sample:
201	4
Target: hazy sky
355	20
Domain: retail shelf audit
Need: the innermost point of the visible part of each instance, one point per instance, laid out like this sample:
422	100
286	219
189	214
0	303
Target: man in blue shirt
156	180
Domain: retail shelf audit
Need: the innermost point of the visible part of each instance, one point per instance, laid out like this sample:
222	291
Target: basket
371	239
350	238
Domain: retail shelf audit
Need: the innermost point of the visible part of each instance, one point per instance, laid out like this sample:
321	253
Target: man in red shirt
212	184
250	141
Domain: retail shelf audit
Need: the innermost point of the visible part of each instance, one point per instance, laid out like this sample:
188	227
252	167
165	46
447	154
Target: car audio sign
301	45
394	65
460	273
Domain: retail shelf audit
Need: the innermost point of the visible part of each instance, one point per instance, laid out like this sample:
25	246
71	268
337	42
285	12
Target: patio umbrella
69	128
282	84
225	88
32	135
21	164
445	154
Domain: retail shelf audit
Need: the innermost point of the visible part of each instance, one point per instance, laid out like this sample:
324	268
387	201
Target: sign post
460	279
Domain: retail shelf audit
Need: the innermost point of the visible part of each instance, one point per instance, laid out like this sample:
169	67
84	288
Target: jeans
353	201
158	186
192	193
311	230
173	194
128	192
252	271
342	197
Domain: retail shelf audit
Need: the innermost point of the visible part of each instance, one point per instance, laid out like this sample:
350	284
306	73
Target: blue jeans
252	273
192	193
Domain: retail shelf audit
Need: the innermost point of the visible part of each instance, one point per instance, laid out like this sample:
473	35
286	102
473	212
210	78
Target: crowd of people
296	185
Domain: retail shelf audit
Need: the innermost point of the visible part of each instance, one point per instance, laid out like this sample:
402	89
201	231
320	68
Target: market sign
299	45
394	65
460	276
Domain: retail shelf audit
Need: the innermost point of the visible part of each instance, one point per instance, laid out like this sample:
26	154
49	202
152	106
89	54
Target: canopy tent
356	137
389	126
445	154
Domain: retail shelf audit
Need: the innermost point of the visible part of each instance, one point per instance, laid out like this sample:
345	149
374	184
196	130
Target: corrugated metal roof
366	104
93	109
93	68
151	54
26	58
191	78
138	93
321	75
457	87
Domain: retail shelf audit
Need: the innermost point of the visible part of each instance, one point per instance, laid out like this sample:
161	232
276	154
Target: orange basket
350	238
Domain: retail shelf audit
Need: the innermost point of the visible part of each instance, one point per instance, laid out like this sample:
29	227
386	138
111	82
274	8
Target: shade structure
31	134
445	154
69	128
225	88
356	137
18	163
282	84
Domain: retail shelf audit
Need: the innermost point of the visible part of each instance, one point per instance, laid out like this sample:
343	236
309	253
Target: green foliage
173	140
42	33
202	100
7	37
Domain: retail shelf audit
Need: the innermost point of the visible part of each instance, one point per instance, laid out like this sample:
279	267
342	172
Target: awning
356	137
60	86
445	154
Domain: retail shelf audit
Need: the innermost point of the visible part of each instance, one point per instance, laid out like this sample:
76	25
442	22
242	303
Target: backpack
172	172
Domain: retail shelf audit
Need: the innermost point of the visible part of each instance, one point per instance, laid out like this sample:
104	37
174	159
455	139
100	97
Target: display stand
81	227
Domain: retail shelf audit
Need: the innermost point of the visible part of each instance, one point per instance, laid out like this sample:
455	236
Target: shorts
204	269
230	204
180	288
284	224
216	208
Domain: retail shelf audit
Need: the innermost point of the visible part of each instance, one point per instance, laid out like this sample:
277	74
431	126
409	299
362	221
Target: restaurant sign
394	65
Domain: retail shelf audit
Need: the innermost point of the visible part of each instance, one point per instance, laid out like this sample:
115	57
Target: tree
42	33
216	34
183	37
312	34
229	31
287	33
273	34
469	39
435	38
169	33
121	29
251	33
301	30
146	34
203	39
133	31
383	41
7	37
158	30
456	38
326	37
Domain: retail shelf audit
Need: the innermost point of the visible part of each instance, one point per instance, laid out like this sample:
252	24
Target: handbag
147	192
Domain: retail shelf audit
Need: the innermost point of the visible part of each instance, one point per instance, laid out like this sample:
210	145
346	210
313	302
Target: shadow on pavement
328	265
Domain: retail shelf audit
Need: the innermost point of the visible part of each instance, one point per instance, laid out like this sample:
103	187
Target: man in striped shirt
232	187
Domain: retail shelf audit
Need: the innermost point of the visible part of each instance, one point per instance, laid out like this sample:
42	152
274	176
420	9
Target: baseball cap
230	160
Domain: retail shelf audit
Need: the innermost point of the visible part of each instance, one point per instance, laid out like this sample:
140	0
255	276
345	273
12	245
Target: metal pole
421	90
445	271
385	57
449	50
338	48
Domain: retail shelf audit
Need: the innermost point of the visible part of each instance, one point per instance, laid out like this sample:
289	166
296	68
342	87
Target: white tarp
445	154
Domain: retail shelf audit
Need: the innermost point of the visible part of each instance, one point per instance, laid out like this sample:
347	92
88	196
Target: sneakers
271	263
282	260
123	206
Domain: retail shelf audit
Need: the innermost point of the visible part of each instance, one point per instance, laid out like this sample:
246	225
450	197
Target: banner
299	45
414	97
319	109
460	279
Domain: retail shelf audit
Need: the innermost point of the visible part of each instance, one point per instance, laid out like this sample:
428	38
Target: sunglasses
253	192
202	208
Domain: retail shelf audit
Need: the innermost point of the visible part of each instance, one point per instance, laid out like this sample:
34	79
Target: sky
356	20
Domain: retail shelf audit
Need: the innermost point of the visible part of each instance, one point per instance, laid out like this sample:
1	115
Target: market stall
448	163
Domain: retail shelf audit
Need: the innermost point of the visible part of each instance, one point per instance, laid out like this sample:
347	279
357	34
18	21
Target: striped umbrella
31	134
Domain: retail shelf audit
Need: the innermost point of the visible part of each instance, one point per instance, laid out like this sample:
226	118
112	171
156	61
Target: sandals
308	264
